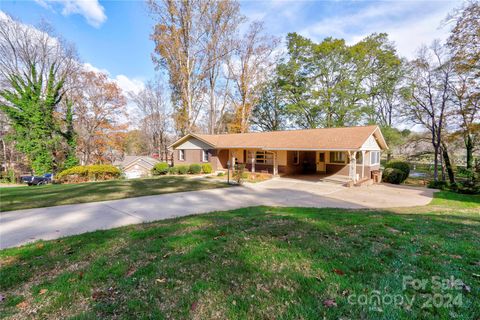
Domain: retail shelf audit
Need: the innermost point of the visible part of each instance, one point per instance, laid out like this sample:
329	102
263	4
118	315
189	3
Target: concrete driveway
23	226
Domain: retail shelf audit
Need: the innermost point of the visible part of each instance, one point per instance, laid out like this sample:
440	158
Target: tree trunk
389	155
448	164
442	165
435	164
469	147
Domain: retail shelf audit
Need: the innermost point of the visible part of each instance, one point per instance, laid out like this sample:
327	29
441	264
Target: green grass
16	198
253	263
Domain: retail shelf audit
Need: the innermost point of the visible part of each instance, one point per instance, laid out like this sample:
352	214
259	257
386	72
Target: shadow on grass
259	262
54	195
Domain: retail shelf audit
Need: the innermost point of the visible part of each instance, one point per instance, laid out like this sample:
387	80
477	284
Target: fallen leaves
130	271
194	306
339	272
22	305
221	234
43	291
329	303
161	280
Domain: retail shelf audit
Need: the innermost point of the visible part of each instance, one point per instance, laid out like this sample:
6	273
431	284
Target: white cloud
408	24
91	10
134	85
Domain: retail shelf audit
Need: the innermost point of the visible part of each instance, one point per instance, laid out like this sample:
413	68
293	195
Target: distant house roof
144	161
346	138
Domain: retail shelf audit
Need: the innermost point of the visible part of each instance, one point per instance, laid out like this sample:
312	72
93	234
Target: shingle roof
347	138
129	160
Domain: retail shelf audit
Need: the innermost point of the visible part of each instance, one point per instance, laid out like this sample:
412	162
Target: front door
321	162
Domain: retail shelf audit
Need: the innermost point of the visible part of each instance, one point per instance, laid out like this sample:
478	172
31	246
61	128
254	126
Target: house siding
307	163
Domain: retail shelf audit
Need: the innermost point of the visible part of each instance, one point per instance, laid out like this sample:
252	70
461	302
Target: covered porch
342	165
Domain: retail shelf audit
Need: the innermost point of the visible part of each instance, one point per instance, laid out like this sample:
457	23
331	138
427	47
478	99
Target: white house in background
137	166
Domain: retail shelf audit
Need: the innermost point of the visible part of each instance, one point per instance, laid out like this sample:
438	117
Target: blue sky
113	36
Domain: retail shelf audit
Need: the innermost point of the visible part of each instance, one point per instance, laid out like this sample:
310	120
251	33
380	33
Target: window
261	157
337	157
321	157
359	157
374	157
296	157
181	155
205	155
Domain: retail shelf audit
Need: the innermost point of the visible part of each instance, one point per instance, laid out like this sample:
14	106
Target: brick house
350	151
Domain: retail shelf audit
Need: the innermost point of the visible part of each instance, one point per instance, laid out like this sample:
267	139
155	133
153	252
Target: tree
221	22
100	107
296	80
269	114
382	73
135	143
464	40
427	97
466	98
154	116
464	44
31	115
180	50
331	84
248	69
34	75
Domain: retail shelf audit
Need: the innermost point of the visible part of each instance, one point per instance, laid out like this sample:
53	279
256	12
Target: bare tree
464	44
179	49
249	69
154	117
22	46
428	94
221	22
466	98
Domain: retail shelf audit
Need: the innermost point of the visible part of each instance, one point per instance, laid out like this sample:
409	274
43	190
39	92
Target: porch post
363	164
253	160
275	164
232	159
353	165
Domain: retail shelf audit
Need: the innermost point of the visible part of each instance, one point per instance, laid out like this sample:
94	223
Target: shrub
89	173
207	168
160	168
220	174
400	165
442	185
183	169
239	174
195	168
173	170
469	187
393	175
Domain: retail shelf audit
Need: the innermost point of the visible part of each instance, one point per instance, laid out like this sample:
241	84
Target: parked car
37	180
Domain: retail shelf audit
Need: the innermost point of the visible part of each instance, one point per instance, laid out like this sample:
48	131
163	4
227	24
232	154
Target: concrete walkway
23	226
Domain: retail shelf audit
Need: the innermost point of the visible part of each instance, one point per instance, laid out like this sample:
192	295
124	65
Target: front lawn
54	195
258	263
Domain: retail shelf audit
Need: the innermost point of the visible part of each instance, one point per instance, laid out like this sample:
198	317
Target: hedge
195	168
403	166
182	169
393	175
207	168
89	173
173	170
160	168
